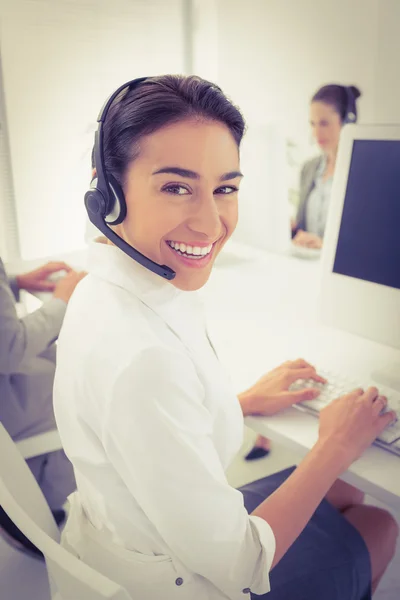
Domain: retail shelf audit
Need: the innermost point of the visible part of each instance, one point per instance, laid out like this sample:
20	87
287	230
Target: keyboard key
390	434
338	386
315	404
324	399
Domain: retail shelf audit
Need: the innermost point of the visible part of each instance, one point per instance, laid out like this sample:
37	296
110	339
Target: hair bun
355	91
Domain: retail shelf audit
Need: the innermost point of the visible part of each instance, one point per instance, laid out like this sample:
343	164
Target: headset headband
106	197
102	179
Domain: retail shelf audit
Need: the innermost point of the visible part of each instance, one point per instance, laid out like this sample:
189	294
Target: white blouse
149	420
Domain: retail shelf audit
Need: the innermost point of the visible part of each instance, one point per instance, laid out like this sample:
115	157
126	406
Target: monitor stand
388	376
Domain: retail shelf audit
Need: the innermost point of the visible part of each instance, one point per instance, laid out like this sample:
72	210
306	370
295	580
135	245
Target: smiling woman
161	167
144	409
185	206
179	173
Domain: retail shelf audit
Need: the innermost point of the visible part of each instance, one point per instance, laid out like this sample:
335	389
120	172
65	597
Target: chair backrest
42	443
23	501
16	477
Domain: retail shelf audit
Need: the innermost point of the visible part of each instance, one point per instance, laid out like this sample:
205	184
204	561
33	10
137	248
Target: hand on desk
352	422
271	394
348	425
309	240
37	280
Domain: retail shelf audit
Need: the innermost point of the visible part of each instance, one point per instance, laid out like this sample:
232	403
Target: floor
24	578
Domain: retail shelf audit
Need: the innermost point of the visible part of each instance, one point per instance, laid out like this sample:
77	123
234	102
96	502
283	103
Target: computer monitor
361	254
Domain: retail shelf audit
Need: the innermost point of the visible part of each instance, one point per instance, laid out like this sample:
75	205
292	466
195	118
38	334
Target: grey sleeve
300	217
12	282
307	182
23	339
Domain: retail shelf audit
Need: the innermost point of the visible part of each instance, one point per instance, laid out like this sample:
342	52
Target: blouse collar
182	310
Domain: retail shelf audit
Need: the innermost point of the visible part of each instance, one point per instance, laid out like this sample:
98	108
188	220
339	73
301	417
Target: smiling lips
190	252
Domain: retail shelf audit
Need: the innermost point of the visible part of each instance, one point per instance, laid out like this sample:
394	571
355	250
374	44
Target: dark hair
155	103
336	95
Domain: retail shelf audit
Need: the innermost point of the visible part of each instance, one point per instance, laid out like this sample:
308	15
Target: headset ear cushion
350	110
116	210
95	202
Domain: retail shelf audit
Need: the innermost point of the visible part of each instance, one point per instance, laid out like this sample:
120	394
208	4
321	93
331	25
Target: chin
188	282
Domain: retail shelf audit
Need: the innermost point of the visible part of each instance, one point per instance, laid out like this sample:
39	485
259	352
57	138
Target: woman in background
332	106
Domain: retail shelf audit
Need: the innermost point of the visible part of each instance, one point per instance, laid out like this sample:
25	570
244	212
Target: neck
331	157
101	239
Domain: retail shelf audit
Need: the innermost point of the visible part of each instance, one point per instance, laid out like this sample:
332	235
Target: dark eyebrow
193	175
231	175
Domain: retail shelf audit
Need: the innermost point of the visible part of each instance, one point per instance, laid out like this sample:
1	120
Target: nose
206	218
315	131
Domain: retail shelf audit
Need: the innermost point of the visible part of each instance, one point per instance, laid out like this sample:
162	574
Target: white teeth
194	250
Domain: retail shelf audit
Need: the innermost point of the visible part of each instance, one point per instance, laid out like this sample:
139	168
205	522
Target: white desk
262	310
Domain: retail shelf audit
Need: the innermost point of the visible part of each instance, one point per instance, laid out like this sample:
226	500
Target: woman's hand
270	394
306	239
352	422
37	280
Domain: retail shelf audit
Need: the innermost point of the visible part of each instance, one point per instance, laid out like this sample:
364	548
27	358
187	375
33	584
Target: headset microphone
105	201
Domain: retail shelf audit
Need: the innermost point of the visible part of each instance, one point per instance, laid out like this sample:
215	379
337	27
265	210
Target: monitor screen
368	245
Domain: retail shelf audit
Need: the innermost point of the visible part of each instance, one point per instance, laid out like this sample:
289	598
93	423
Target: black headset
350	115
105	201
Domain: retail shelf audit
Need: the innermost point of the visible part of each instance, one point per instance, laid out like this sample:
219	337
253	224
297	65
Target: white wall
61	59
9	239
387	72
274	54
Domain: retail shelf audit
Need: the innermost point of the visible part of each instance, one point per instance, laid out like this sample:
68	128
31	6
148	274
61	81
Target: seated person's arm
307	239
293	226
298	225
179	482
14	287
23	339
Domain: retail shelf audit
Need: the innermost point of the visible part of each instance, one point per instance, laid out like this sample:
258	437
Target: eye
226	189
176	189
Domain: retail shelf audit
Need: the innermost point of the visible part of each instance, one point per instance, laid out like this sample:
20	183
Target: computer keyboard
304	252
338	385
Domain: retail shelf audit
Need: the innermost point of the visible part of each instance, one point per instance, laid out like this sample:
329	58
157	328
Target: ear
94	173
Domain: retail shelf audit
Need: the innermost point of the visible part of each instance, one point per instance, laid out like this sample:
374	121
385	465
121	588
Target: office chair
23	501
